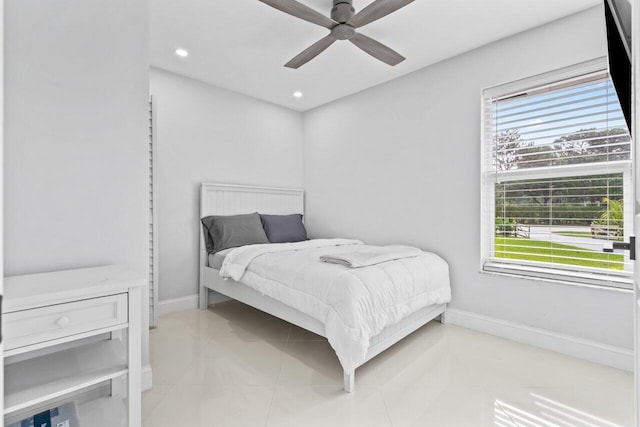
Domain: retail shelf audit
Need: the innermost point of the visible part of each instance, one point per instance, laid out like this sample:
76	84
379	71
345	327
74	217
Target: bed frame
224	199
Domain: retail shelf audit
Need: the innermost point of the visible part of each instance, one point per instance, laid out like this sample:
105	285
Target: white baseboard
177	304
147	377
187	303
592	351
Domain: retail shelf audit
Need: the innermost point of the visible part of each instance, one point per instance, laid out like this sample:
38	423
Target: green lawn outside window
542	251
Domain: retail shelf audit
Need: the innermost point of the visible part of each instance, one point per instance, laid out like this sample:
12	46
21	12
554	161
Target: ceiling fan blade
299	10
311	52
377	49
376	10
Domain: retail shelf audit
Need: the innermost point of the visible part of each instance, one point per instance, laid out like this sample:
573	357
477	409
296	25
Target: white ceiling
242	45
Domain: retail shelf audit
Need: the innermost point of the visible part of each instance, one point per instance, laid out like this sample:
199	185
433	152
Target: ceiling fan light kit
343	32
342	26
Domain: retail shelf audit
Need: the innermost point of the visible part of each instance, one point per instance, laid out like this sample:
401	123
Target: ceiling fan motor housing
342	11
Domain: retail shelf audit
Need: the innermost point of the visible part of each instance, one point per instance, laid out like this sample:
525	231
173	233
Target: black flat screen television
618	22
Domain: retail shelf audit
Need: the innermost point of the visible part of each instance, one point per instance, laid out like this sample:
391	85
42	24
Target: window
557	188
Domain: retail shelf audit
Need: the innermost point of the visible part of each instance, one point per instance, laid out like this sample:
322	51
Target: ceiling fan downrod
342	11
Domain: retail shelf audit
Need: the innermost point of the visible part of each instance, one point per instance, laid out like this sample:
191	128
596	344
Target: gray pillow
284	228
224	232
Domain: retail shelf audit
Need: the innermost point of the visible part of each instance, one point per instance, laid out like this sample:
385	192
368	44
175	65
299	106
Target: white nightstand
64	339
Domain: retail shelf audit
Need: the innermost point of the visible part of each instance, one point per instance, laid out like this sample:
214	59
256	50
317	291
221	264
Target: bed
224	199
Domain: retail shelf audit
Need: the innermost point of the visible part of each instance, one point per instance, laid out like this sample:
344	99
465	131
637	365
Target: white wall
204	133
76	119
75	153
399	163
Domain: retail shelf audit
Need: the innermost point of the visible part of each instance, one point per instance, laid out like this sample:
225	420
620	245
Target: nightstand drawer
26	327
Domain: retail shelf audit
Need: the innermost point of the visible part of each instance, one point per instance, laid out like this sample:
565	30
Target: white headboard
226	199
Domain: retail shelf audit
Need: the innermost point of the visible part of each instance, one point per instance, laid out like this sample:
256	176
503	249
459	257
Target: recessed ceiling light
182	53
297	94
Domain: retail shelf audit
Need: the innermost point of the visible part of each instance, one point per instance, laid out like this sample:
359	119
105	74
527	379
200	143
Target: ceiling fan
343	24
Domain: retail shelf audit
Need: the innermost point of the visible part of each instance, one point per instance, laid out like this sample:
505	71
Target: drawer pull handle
63	321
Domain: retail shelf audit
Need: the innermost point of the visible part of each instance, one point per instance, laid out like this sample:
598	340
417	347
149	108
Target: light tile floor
235	366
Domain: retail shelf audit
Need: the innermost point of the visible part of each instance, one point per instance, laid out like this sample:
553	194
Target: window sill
620	283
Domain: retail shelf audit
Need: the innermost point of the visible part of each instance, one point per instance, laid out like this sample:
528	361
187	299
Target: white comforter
354	304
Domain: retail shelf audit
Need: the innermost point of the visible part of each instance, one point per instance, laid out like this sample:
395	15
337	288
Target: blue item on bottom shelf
43	419
62	416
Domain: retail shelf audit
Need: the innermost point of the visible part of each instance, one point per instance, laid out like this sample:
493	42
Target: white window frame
521	268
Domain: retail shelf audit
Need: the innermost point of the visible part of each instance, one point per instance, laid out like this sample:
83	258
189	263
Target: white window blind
556	178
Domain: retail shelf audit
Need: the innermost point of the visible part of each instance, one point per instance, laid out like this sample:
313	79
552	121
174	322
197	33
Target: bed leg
349	381
204	298
443	316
